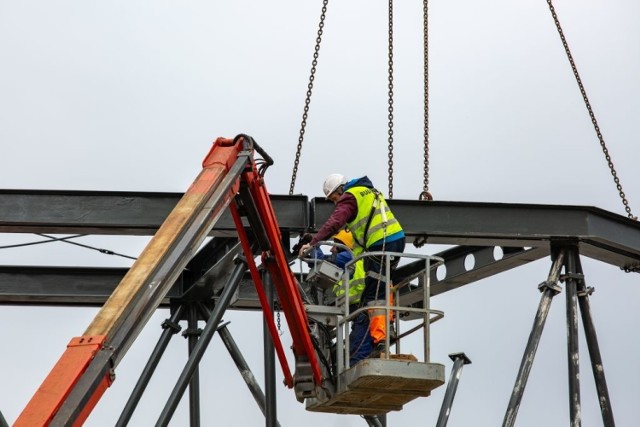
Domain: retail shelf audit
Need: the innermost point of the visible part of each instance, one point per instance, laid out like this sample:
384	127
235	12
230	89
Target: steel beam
271	407
61	285
87	286
597	365
571	279
200	346
117	213
549	289
522	232
203	277
243	367
170	327
459	360
483	263
602	235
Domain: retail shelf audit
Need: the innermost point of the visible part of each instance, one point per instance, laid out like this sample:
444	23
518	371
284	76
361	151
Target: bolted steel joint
586	292
168	324
192	332
554	287
572	276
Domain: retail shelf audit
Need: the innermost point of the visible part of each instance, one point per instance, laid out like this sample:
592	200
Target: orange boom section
229	177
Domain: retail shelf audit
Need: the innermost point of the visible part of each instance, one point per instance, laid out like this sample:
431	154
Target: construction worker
360	343
364	211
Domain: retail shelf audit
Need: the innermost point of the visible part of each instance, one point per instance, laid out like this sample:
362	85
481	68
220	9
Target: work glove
305	239
304	249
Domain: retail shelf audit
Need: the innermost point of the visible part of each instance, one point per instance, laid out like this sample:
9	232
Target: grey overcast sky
129	96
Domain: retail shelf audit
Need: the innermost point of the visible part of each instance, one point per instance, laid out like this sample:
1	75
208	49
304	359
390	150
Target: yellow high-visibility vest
356	283
368	226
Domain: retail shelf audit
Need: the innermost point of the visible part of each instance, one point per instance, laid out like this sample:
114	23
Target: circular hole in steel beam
441	272
498	253
469	262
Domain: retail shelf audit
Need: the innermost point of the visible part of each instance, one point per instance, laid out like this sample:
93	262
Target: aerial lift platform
375	386
231	178
379	386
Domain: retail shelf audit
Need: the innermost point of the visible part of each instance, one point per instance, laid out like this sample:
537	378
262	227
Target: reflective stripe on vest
356	284
368	199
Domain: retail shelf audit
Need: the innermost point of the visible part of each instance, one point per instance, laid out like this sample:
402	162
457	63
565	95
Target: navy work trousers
375	288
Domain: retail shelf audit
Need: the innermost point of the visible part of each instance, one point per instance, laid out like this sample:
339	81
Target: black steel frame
497	237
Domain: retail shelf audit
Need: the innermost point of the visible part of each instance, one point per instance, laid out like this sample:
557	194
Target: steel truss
497	237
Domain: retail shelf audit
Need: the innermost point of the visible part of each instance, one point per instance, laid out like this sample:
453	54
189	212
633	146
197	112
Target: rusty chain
631	268
390	93
425	195
305	113
307	101
591	114
278	323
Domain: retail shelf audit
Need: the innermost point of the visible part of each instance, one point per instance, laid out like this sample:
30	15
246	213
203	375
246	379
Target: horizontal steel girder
523	232
116	213
600	234
452	223
87	286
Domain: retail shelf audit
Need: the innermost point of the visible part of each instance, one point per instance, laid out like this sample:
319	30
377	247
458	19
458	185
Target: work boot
378	350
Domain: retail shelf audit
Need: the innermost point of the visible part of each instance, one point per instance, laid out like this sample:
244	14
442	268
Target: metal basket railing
390	306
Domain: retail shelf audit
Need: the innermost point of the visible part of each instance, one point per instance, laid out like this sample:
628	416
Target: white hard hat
332	183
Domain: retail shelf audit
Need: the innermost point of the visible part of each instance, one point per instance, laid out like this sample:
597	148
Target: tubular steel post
594	351
571	278
372	420
426	303
171	328
387	303
549	289
203	342
271	416
459	360
383	419
243	367
192	333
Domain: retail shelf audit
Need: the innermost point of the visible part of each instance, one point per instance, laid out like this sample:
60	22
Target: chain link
631	268
278	323
307	101
390	109
591	114
425	195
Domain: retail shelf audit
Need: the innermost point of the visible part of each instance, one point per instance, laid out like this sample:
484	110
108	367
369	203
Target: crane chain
278	323
307	101
591	113
631	268
390	93
425	195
